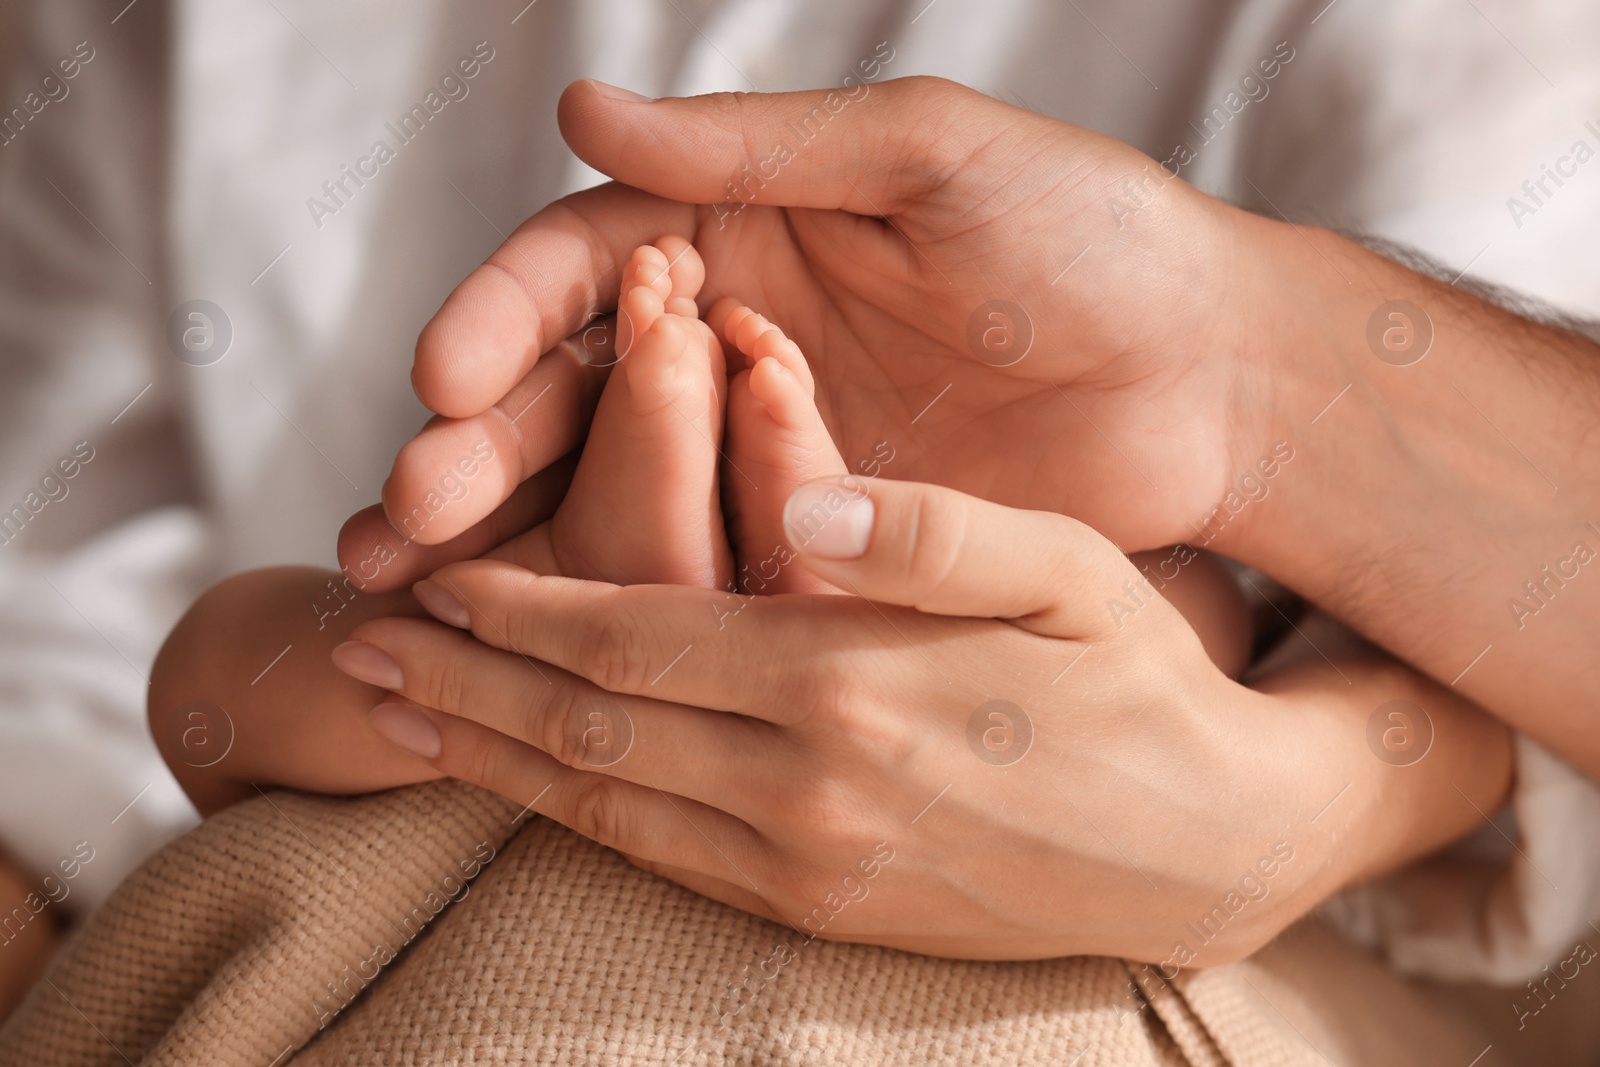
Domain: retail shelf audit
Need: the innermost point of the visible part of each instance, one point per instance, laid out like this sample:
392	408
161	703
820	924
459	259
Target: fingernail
370	664
442	604
616	92
830	520
407	727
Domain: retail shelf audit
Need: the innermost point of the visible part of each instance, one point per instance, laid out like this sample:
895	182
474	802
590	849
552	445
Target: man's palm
1006	304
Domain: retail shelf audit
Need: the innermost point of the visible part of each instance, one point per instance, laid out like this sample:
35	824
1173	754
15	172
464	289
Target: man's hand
1014	306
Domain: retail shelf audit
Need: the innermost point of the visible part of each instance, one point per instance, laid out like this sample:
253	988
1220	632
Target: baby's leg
776	443
244	691
644	504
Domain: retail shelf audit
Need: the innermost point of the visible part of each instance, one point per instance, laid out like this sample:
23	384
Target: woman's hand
971	282
977	756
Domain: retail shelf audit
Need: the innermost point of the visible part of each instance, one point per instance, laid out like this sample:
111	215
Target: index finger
455	472
553	275
767	657
378	557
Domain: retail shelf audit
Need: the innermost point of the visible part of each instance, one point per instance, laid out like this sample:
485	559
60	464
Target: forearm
1424	499
243	693
1405	765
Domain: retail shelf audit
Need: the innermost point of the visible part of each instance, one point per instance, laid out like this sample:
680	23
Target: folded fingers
767	657
719	759
547	281
456	472
720	854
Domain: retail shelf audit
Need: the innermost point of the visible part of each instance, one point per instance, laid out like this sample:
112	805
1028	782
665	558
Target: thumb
947	553
871	149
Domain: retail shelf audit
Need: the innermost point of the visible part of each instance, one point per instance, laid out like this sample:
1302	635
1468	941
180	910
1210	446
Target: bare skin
397	725
770	750
26	946
643	505
1179	351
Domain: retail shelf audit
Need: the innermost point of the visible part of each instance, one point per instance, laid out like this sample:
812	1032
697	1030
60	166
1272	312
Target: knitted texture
432	925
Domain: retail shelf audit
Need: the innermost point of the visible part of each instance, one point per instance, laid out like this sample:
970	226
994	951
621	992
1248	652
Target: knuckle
613	653
1085	564
505	280
553	720
738	114
479	761
823	696
935	541
846	715
511	277
938	142
599	811
570	216
446	682
825	810
521	628
939	92
744	113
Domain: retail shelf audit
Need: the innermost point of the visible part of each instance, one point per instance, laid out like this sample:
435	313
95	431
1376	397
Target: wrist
1276	329
1287	314
1381	381
1402	768
1429	432
1276	771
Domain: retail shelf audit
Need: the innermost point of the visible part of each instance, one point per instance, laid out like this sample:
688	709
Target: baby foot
644	504
776	442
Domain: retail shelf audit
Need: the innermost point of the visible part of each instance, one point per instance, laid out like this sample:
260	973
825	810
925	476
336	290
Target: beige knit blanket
430	925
